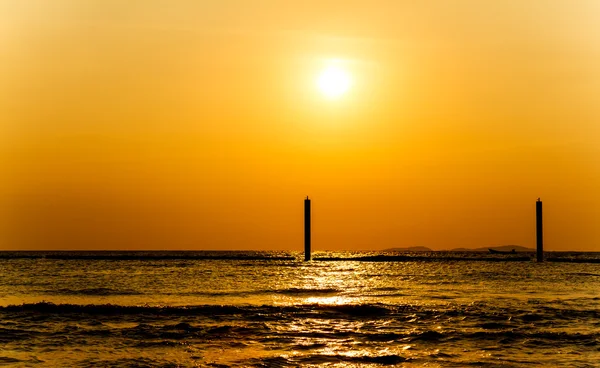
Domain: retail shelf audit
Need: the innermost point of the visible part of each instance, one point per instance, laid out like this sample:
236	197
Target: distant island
409	249
502	248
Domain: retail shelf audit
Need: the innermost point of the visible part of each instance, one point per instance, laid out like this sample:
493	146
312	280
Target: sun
334	82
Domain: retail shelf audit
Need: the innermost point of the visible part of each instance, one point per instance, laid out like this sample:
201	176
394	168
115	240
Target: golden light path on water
329	278
351	277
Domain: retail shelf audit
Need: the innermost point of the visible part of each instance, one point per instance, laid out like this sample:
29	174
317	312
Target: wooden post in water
307	229
539	231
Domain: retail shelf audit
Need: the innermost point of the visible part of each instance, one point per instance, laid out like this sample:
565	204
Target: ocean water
203	309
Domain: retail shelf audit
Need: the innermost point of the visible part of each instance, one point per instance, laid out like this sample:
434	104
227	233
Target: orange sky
198	124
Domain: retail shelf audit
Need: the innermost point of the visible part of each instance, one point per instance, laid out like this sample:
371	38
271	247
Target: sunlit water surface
288	313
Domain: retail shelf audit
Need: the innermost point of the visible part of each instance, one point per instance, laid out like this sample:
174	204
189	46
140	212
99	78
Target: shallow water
264	312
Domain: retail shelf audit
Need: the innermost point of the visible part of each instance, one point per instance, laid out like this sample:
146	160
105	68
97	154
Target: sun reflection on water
331	300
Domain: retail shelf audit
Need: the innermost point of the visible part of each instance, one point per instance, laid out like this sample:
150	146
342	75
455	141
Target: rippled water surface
273	310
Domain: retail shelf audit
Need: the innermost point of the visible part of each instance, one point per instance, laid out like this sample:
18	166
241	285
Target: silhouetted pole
539	232
307	229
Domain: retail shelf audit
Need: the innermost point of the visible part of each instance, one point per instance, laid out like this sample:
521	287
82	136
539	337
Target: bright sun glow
334	82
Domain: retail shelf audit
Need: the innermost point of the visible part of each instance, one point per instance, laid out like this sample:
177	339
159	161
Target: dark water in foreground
260	311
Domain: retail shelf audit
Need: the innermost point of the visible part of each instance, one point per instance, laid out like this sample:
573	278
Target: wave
202	310
583	274
300	291
327	359
113	309
430	258
154	331
277	361
573	260
289	328
239	293
483	317
137	362
100	291
14	334
9	360
534	337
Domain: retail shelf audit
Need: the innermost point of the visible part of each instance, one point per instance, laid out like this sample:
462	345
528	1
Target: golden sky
187	124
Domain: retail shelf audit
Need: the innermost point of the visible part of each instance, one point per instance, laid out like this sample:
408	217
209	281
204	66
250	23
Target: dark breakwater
398	258
442	256
147	256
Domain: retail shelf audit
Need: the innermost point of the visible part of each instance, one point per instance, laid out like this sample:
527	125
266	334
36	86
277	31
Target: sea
273	309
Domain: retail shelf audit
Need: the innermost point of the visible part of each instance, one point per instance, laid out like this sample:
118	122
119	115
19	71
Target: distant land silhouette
502	248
